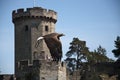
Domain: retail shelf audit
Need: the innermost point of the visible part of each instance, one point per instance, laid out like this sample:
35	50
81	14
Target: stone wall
7	77
42	70
30	24
97	71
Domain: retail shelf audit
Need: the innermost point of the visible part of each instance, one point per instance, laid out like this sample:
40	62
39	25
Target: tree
101	50
99	55
71	63
117	46
77	53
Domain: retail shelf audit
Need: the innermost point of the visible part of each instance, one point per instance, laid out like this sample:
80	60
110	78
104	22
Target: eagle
54	45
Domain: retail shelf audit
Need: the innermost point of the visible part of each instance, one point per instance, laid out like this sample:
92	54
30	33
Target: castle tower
29	25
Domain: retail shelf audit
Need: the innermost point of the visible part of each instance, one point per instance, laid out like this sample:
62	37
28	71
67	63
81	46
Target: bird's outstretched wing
54	46
53	43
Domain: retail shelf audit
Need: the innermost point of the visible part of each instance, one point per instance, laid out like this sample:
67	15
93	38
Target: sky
95	21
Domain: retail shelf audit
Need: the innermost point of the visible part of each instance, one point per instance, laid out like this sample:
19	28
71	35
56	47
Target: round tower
29	25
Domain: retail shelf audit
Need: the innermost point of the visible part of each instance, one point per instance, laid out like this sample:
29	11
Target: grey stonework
29	25
42	70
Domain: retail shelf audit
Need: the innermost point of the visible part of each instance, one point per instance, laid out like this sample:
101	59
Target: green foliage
77	48
78	51
101	50
99	55
71	62
117	46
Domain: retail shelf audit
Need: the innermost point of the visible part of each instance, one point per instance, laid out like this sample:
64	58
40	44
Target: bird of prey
54	44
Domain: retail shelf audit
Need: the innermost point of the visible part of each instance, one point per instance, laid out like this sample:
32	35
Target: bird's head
40	38
61	34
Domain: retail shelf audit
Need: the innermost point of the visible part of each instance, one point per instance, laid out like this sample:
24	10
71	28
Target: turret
29	25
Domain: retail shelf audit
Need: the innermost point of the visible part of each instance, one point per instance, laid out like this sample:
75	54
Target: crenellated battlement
43	65
42	69
35	12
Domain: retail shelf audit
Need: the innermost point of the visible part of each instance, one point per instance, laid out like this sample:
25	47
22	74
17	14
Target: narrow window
26	28
46	28
43	78
35	55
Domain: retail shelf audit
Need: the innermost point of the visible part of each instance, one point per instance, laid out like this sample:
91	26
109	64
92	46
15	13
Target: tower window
46	28
35	55
26	28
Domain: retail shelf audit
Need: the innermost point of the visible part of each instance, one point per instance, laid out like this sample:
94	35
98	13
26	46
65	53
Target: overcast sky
95	21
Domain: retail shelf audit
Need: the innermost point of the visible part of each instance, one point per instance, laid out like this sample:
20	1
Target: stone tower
29	25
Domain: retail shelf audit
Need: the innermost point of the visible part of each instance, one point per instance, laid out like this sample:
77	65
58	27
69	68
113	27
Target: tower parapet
35	12
43	64
43	70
